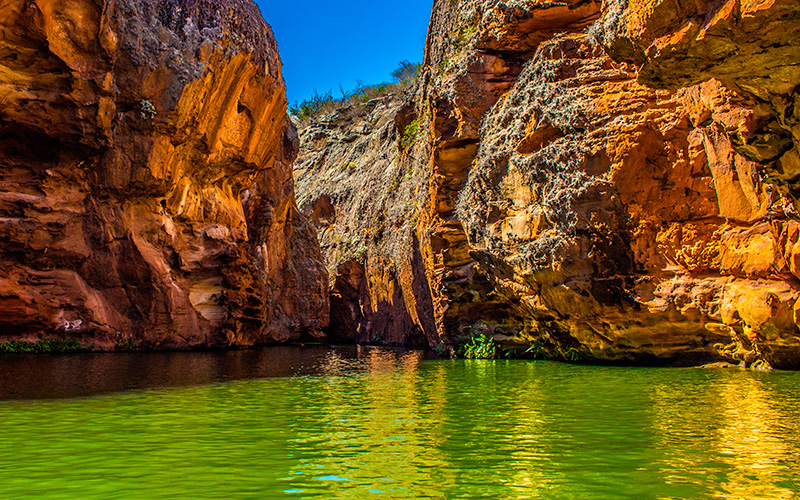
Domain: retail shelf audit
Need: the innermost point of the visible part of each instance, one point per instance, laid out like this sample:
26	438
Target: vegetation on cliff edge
321	103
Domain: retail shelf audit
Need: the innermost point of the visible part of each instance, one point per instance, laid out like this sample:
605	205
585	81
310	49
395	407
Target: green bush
479	347
148	111
410	134
404	76
570	354
361	254
535	350
46	346
126	345
313	106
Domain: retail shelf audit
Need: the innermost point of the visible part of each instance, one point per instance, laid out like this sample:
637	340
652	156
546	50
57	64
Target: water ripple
390	423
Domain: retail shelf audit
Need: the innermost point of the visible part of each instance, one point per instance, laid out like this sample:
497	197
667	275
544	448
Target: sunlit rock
146	192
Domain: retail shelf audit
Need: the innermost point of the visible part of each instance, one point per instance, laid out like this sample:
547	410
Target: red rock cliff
557	202
751	47
146	194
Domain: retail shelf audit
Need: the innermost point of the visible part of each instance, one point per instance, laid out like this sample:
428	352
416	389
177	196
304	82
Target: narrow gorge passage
547	249
558	201
551	178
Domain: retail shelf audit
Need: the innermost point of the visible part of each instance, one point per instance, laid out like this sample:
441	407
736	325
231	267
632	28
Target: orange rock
147	178
555	201
750	46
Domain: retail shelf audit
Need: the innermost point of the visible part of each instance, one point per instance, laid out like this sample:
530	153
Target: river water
360	423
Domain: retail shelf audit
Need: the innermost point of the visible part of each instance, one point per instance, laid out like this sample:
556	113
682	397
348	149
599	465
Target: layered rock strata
558	203
146	195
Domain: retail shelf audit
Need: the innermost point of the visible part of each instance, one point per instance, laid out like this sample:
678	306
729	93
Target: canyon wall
749	47
579	180
364	192
146	192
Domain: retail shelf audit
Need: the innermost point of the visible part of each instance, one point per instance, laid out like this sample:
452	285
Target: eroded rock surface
363	192
622	226
558	202
752	47
146	195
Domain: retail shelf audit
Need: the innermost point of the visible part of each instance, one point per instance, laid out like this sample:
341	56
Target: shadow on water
31	376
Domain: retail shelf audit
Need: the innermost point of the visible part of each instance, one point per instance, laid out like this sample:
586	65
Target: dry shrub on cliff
406	72
405	76
605	29
315	105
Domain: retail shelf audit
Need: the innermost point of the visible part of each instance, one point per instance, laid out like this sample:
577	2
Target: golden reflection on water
381	441
737	420
528	480
750	443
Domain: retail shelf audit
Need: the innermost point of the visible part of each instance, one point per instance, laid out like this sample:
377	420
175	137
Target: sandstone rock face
475	52
619	225
146	194
557	202
363	191
750	46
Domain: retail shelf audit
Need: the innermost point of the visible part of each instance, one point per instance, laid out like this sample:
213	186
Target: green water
375	423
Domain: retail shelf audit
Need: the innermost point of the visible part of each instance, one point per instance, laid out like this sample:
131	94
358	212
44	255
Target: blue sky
325	43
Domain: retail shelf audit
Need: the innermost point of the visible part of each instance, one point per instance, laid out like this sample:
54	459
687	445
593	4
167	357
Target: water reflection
736	430
751	443
50	377
375	426
361	422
